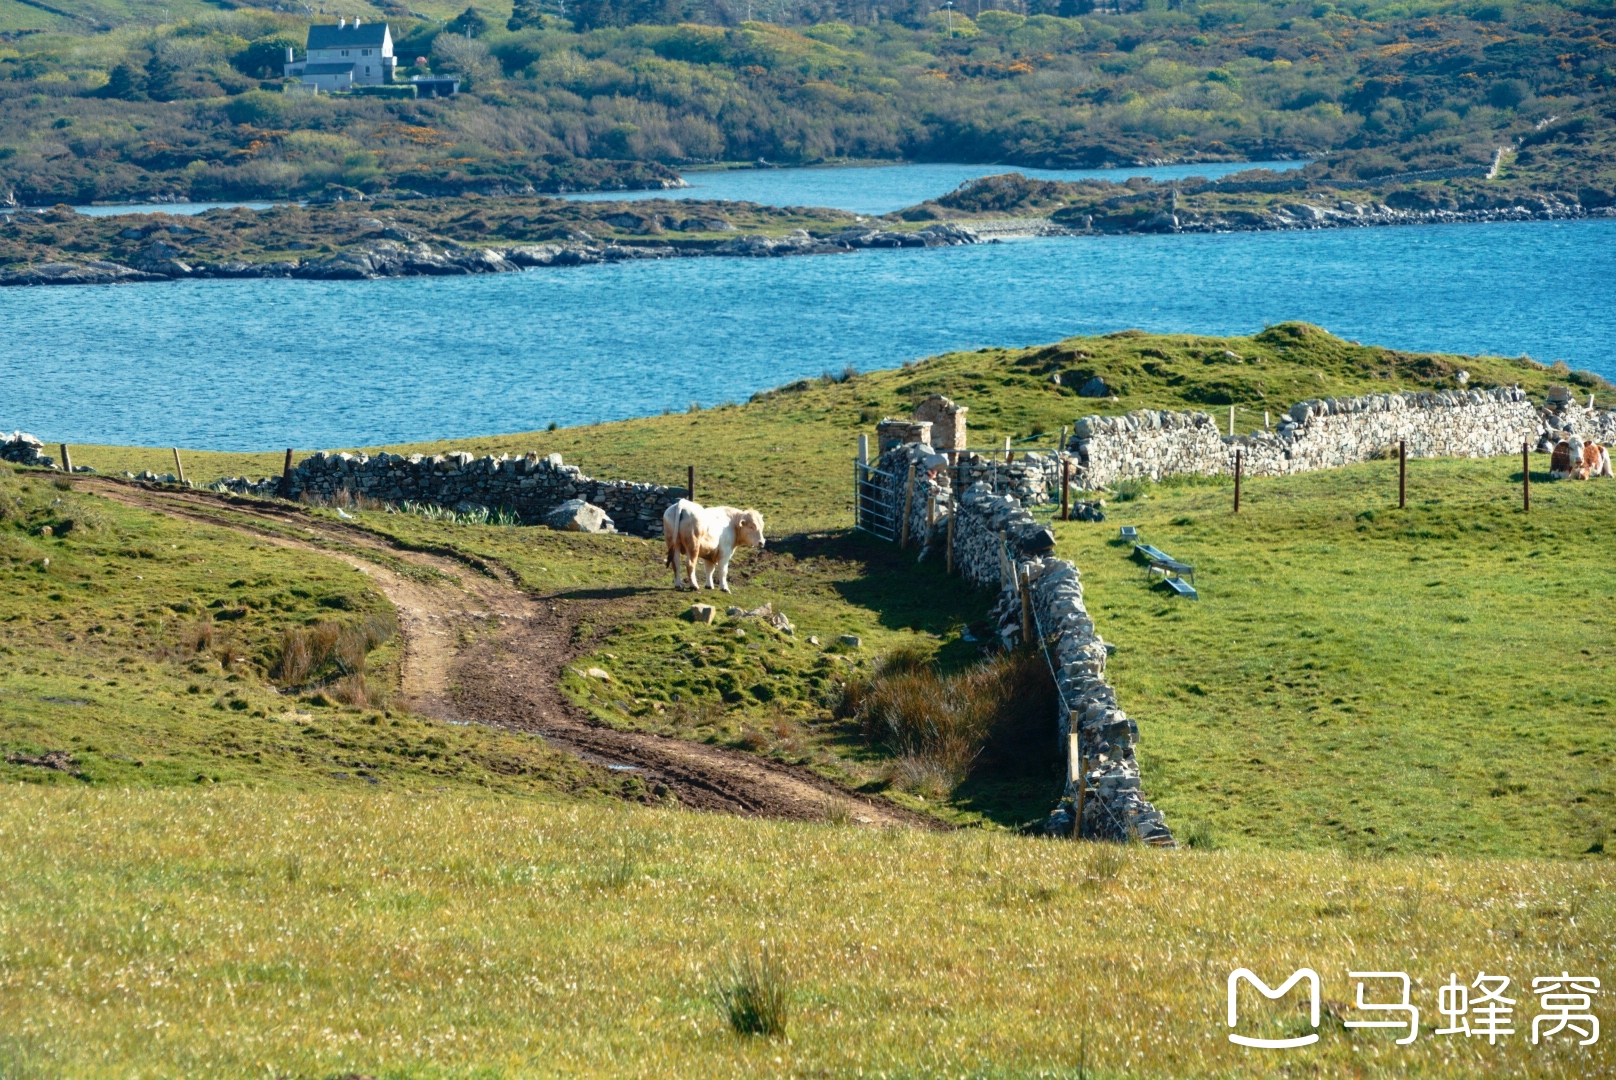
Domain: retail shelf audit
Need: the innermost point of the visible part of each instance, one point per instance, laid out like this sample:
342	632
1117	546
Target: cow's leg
678	569
723	569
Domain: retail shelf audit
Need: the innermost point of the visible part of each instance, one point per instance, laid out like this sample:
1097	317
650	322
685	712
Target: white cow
711	535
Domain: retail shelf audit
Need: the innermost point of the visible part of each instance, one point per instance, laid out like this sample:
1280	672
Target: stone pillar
947	420
890	433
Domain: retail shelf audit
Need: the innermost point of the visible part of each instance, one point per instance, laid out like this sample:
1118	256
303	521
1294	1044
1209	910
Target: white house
341	57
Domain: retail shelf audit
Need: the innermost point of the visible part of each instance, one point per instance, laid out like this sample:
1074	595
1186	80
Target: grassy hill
1346	651
1387	732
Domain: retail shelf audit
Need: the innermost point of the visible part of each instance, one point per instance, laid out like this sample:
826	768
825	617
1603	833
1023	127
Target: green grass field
239	932
1436	679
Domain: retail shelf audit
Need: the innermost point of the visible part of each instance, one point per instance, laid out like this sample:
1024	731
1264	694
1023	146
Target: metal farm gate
872	510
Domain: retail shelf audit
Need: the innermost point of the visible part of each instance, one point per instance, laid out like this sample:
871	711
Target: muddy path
480	649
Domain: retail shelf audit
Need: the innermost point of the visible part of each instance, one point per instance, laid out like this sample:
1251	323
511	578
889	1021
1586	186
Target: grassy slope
99	656
1410	764
309	935
809	430
299	928
1434	679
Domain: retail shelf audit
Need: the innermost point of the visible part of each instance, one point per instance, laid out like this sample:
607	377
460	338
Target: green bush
264	58
259	108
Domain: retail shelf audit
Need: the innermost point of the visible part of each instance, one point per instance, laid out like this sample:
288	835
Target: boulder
576	515
161	257
1095	388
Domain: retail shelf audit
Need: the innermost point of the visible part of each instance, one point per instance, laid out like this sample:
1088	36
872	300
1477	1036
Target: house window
367	69
364	52
344	52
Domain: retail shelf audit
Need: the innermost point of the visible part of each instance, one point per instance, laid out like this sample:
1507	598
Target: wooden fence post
908	503
1066	490
67	461
1231	421
1526	479
1026	608
1402	473
690	482
953	511
1009	454
179	470
931	515
1237	481
286	476
864	450
1076	764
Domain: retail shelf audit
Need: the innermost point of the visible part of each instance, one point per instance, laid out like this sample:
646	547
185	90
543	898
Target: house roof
363	36
327	69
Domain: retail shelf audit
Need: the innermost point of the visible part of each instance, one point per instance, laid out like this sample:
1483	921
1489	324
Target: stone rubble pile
532	487
21	448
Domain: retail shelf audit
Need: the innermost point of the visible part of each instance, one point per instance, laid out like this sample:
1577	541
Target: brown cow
1576	460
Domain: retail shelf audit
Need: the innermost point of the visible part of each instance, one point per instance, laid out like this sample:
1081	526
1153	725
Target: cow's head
749	528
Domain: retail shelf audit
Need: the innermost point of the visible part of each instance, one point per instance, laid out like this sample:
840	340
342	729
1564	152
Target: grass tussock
754	994
333	654
939	726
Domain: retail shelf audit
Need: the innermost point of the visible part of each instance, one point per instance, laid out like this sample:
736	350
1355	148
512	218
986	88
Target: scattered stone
702	613
852	641
598	673
55	760
576	515
1095	388
813	639
766	614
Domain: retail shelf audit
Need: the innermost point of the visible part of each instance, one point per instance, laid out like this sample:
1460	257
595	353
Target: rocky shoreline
408	257
1346	214
404	255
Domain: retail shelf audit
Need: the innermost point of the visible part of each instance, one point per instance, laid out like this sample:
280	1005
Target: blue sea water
269	363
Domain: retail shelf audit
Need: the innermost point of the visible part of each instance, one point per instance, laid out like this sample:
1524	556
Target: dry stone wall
1322	434
530	486
995	541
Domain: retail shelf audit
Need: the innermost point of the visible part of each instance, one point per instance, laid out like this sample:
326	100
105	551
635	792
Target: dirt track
478	648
